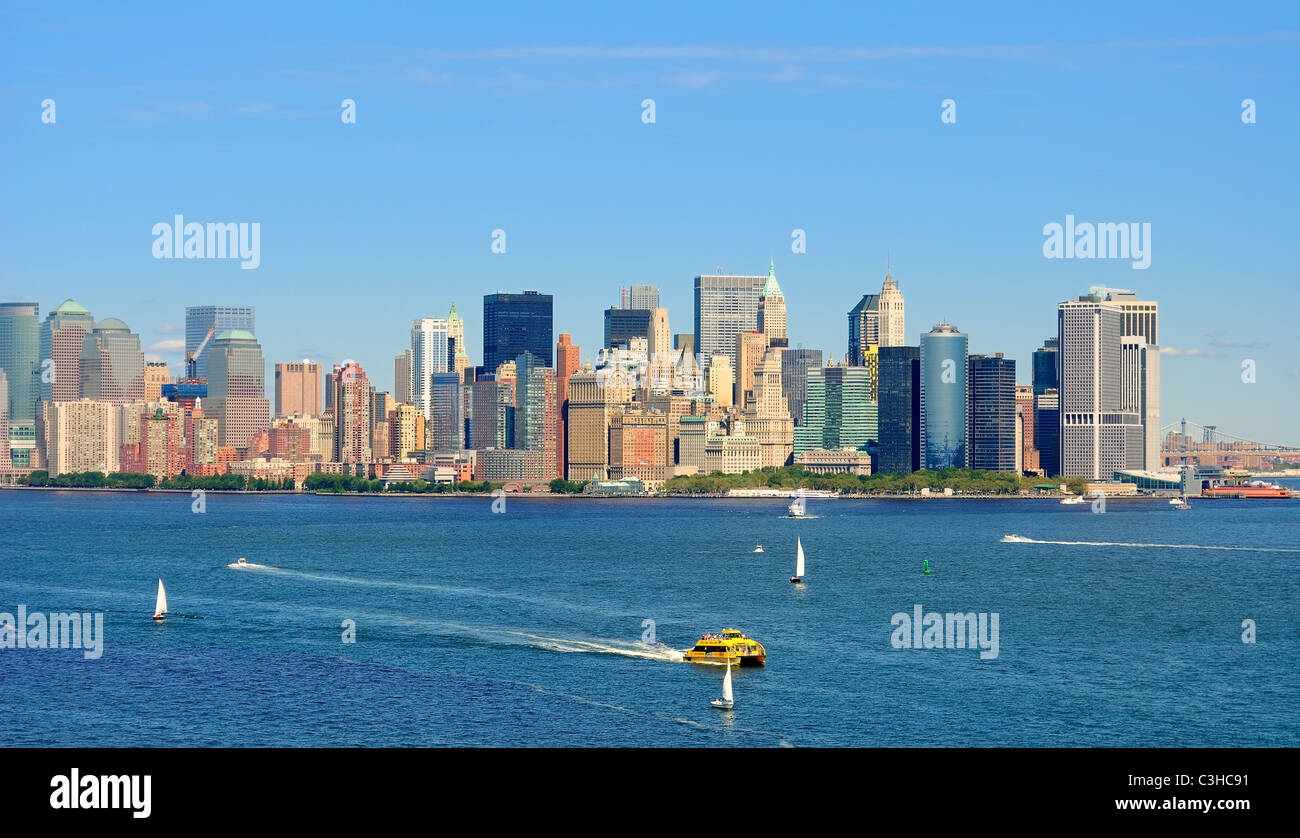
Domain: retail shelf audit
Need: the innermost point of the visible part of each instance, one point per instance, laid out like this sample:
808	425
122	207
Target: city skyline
839	139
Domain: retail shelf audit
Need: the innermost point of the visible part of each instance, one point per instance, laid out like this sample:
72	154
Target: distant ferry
1241	489
728	647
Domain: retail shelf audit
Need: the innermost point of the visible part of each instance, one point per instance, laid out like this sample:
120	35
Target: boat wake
657	651
1020	539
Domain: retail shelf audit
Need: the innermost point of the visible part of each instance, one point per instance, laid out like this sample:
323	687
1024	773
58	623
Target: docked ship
1237	488
727	647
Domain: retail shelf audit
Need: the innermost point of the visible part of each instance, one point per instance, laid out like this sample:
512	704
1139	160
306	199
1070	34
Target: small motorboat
728	700
1180	503
242	561
758	548
1072	500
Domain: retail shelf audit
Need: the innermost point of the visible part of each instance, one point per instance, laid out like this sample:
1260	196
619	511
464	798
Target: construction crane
192	358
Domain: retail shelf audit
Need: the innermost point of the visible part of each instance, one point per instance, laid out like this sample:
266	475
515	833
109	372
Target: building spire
771	288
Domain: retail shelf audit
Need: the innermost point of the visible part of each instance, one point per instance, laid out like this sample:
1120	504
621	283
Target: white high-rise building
430	353
892	325
1101	428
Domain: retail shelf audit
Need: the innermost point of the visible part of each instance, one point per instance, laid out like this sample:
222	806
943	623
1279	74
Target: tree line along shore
788	478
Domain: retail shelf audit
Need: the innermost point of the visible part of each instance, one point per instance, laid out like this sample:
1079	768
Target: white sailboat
160	606
798	561
727	701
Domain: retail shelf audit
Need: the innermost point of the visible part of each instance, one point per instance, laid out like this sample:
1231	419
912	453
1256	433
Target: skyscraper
200	319
750	349
6	463
297	389
20	358
352	418
864	328
430	354
236	387
892	322
1046	359
725	306
624	324
448	414
517	323
62	336
456	334
112	364
991	413
566	364
900	409
593	400
943	398
1140	388
1047	430
1098	435
795	364
771	310
1025	416
156	375
838	411
639	296
402	378
535	411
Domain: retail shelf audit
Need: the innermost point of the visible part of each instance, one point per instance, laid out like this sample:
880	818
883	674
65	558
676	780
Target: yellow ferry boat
730	646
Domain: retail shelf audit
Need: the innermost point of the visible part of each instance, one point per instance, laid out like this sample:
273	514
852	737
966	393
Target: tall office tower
407	432
448	415
236	387
112	363
1025	420
943	398
1046	375
890	304
864	328
725	306
82	436
622	325
795	364
517	323
492	421
456	334
1047	430
199	320
871	360
1140	393
352	401
1139	320
62	335
750	348
535	417
991	412
1098	436
838	411
156	375
20	358
721	379
659	341
771	310
638	447
639	296
899	400
297	389
402	378
593	401
766	414
429	355
6	462
566	364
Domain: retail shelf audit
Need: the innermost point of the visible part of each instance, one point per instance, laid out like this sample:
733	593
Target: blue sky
528	119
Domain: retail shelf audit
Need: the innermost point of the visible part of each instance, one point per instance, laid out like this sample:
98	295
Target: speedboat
729	646
1072	500
797	507
758	548
1012	537
242	561
1180	503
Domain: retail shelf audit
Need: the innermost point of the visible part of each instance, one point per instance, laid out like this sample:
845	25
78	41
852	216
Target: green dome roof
111	324
71	306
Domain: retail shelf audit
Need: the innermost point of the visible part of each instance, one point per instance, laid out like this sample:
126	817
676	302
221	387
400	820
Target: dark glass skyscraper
795	364
517	323
900	409
943	398
1046	375
623	324
200	319
991	413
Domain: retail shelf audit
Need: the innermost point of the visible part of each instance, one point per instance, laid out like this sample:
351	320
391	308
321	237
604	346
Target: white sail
798	562
726	685
160	607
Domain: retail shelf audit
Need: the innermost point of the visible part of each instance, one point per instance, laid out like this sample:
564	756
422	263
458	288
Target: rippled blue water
525	628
